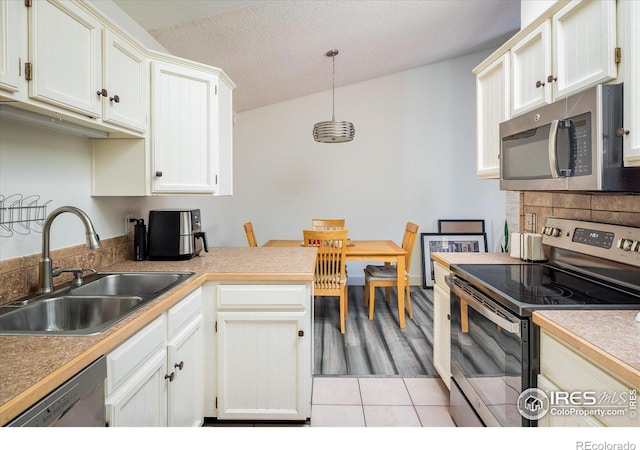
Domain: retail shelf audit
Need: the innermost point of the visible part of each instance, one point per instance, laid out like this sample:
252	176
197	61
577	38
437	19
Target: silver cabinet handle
171	376
179	366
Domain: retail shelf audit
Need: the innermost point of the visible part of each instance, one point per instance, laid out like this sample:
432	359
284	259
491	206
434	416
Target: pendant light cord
333	90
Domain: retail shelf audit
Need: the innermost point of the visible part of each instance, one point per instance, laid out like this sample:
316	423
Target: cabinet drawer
439	273
123	361
183	311
262	296
573	372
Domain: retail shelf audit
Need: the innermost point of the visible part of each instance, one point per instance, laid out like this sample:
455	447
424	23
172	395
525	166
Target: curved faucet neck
46	269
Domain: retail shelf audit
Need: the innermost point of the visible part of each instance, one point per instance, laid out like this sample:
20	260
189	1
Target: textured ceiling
275	50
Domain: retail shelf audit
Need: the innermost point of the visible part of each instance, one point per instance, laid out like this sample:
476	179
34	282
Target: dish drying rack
21	215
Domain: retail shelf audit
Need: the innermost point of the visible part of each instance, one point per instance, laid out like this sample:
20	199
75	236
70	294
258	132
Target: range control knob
635	247
625	244
552	231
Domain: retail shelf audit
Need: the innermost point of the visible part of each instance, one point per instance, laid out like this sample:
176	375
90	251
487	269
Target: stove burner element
537	293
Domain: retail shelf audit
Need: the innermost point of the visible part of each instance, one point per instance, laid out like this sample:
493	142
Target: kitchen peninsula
34	365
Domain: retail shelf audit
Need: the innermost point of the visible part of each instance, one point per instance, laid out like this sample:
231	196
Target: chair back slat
251	238
409	238
327	224
331	246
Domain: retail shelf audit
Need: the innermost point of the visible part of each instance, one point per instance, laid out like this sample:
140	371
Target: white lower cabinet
442	325
556	420
263	340
142	402
155	377
184	357
584	392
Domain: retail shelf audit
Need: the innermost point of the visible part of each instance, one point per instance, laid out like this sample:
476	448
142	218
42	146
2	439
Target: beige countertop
609	337
32	366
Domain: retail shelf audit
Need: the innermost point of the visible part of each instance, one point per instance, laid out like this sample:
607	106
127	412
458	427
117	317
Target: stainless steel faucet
46	268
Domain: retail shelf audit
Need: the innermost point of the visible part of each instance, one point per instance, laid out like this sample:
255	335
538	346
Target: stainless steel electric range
495	345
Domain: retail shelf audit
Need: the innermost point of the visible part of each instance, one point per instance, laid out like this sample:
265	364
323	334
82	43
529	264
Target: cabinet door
185	129
630	52
530	66
71	78
264	366
13	38
559	420
441	334
126	81
185	357
142	401
492	92
225	143
584	41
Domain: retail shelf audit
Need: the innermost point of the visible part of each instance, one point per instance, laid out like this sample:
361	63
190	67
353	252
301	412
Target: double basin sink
103	300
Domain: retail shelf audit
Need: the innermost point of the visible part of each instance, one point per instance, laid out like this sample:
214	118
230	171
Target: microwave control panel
579	135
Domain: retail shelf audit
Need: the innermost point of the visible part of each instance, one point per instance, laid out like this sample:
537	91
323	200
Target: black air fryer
175	234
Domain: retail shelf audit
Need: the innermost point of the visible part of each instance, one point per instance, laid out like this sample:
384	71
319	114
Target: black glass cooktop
526	287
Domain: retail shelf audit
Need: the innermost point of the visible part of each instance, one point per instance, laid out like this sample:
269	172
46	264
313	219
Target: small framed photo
447	242
461	226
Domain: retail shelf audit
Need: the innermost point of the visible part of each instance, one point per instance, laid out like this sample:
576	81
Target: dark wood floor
378	347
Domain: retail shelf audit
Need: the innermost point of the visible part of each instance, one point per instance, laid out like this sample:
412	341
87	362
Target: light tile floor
379	402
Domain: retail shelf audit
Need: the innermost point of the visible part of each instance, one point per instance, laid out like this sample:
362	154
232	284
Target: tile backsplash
619	209
19	276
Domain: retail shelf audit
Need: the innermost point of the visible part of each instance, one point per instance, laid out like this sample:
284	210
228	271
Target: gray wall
413	159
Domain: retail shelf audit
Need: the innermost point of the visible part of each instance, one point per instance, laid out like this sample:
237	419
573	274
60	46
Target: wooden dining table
368	250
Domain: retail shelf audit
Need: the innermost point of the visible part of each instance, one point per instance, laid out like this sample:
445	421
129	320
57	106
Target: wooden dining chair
386	276
251	238
327	224
330	278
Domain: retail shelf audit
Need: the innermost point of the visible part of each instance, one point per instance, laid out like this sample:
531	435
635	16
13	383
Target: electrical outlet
128	226
528	223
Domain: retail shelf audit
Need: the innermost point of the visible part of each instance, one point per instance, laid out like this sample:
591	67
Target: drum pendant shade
332	131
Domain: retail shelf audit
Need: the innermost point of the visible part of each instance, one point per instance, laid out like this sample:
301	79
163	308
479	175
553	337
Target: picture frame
447	242
461	226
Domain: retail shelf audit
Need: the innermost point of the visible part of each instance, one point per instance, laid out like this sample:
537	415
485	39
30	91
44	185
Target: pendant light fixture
332	131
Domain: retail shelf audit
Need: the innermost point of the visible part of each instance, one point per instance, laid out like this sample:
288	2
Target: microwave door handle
553	149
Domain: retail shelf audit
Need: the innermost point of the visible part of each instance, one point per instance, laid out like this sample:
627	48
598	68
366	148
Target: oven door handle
503	322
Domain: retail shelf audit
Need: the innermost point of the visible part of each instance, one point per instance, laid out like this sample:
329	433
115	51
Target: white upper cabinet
492	107
184	124
530	66
65	52
630	12
571	51
126	79
13	47
584	43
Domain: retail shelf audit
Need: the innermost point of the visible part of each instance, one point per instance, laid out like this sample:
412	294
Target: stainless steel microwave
573	144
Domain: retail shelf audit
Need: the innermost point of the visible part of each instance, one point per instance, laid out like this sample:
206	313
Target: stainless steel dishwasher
79	402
